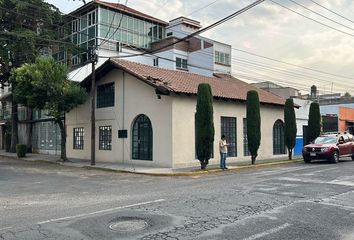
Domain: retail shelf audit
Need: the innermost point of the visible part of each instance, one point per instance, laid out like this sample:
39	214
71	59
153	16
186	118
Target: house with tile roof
145	115
118	30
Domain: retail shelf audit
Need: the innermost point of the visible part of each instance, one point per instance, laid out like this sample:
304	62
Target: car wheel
335	157
307	160
353	157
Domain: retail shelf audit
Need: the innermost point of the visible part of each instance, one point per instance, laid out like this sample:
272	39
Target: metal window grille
78	138
228	128
181	63
142	138
246	151
105	95
105	138
278	138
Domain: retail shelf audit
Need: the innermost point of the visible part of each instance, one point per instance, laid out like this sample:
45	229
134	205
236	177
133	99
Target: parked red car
330	147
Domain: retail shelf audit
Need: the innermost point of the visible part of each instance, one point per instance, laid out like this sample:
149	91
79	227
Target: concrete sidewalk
130	168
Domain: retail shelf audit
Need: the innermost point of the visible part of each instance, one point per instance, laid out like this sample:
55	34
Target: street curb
176	174
197	172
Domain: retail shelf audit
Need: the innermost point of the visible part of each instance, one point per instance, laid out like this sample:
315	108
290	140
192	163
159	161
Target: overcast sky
272	31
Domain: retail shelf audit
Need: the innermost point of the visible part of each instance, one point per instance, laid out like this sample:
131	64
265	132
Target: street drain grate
128	224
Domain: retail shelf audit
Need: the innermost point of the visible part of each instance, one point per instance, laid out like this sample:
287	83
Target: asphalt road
295	201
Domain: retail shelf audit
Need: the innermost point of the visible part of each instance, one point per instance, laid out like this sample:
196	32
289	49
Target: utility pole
93	58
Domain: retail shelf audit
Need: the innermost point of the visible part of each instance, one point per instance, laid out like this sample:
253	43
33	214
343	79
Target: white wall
302	114
203	60
183	130
221	47
132	97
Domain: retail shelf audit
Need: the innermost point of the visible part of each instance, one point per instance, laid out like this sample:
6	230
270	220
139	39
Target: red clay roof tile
129	10
222	85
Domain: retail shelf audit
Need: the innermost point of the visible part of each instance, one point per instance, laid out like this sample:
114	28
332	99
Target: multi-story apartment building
118	30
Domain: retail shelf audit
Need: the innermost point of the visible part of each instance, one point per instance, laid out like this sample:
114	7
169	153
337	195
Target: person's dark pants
223	160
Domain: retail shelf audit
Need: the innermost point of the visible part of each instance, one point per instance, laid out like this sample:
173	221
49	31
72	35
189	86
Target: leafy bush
253	117
204	124
21	150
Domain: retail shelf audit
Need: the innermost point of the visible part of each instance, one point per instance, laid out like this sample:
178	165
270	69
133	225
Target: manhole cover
128	225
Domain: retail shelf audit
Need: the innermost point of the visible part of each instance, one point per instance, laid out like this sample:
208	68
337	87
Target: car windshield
324	140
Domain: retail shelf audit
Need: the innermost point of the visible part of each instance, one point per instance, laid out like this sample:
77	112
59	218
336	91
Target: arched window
278	138
142	138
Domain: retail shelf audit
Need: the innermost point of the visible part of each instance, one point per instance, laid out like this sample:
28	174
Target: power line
339	15
282	62
294	65
199	9
319	14
120	22
254	70
288	73
248	7
110	25
314	20
35	36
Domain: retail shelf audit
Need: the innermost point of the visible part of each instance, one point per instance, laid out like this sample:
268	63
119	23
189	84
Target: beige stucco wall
172	119
183	129
132	97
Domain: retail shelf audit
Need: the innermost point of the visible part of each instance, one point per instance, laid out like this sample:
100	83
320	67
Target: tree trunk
203	164
63	139
30	129
290	151
253	159
14	126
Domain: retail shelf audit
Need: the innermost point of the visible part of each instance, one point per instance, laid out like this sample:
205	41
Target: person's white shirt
223	146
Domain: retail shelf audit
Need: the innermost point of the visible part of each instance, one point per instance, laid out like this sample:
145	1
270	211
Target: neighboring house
337	111
146	115
133	32
338	117
284	92
302	112
118	30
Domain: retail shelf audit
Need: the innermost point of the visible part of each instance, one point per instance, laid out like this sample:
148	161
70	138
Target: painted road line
268	232
6	228
343	183
337	205
290	179
333	182
99	212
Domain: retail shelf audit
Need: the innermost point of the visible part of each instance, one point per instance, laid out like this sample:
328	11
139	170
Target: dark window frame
105	138
78	138
105	95
278	138
142	138
228	127
246	151
181	63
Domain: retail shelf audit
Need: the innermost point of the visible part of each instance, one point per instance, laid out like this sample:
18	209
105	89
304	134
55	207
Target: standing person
223	152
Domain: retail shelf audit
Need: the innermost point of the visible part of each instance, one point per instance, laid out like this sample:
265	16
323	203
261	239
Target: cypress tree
314	123
204	124
253	124
290	126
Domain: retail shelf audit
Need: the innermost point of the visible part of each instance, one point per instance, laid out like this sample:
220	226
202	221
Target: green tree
204	124
314	123
290	126
28	29
253	124
44	85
